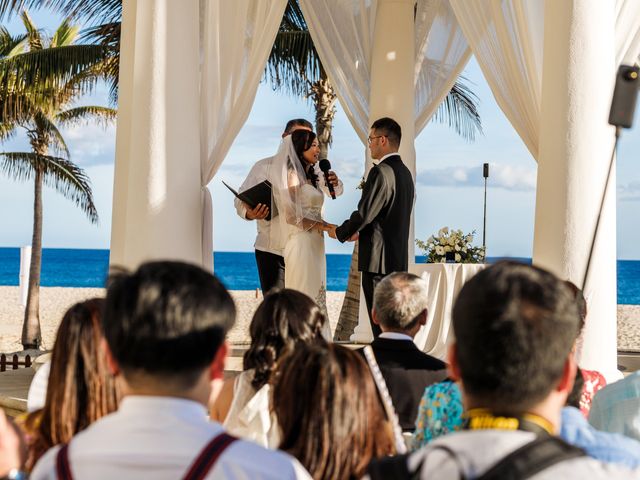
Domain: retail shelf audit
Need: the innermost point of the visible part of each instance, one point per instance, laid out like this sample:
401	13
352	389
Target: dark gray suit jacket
383	218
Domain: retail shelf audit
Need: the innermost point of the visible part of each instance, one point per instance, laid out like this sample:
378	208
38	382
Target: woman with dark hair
80	389
330	416
285	319
298	188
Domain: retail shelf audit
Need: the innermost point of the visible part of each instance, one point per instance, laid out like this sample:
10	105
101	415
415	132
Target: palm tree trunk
31	336
324	99
348	319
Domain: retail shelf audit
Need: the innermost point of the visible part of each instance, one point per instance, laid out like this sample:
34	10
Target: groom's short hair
389	128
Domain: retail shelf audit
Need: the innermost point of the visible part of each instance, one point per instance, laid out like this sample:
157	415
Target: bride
298	189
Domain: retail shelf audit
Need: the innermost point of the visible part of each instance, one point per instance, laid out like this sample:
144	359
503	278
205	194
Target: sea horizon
87	268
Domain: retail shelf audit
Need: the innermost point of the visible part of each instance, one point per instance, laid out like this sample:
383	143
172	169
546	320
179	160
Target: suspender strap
63	468
532	458
209	456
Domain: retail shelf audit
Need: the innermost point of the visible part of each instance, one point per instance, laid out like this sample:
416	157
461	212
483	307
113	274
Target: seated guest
515	326
284	319
330	416
165	327
604	446
80	389
616	408
440	412
400	309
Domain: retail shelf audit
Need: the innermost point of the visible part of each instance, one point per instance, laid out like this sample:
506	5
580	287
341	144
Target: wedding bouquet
452	242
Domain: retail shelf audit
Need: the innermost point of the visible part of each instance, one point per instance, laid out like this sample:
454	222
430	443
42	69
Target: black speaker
485	170
625	95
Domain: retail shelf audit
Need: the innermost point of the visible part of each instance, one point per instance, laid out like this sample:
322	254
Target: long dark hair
284	319
302	140
80	389
329	412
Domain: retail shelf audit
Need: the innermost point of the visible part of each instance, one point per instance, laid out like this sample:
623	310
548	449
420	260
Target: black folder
260	193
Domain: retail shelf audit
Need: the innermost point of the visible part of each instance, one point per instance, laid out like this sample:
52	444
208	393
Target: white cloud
91	144
629	191
508	177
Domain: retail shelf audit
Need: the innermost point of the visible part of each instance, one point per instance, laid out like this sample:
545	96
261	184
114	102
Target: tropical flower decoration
454	243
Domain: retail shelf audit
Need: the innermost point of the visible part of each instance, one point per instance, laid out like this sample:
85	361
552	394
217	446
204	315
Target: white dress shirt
396	336
159	438
259	173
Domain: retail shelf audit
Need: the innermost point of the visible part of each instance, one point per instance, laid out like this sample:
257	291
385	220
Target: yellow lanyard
483	419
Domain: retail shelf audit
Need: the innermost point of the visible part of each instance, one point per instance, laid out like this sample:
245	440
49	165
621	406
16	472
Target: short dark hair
166	319
389	128
297	122
399	300
514	327
284	319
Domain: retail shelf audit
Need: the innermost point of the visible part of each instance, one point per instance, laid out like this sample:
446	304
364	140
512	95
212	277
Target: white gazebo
190	71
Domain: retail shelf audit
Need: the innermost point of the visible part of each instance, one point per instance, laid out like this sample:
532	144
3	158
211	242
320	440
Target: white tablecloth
445	281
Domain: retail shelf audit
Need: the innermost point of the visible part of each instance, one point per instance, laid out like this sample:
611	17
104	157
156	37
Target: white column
156	201
575	148
392	95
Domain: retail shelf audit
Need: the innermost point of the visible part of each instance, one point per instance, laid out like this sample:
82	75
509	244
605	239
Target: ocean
237	270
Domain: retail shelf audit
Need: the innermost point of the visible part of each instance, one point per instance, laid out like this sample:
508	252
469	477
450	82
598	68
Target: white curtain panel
627	32
236	40
507	39
342	32
442	52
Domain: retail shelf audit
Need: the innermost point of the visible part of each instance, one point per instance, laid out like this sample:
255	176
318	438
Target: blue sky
449	173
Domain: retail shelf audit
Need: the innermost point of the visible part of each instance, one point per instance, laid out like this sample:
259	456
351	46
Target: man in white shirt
515	327
269	257
165	328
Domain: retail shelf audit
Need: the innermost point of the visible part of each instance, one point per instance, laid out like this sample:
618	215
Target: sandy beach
55	300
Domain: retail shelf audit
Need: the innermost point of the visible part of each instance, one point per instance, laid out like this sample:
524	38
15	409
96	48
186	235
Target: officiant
383	216
269	257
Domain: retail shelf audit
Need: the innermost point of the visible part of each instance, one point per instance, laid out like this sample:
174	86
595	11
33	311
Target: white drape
343	35
237	38
507	40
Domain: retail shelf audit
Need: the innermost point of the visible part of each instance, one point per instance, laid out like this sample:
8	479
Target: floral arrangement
454	242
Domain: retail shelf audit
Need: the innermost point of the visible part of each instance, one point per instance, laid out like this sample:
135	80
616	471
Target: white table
445	281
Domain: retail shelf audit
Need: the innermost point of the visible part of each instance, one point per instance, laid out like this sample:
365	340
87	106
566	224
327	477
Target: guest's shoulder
260	462
45	467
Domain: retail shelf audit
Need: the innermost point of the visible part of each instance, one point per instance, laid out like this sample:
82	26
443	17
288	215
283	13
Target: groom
384	212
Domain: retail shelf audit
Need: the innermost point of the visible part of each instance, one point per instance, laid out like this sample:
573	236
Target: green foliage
451	241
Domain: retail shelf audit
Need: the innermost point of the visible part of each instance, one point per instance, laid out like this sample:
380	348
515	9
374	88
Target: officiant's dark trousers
369	282
270	270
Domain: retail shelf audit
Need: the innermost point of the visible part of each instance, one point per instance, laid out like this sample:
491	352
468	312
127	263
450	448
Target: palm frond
83	115
459	111
7	131
10	45
34	35
65	34
293	63
63	175
36	74
97	11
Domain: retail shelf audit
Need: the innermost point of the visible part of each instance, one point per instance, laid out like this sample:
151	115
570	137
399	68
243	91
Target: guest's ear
374	316
216	369
568	374
452	363
112	363
423	317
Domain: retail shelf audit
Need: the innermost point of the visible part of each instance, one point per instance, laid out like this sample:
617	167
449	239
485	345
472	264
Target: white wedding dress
304	259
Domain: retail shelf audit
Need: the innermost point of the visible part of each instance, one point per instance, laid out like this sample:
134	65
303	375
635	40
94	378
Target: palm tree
294	65
43	107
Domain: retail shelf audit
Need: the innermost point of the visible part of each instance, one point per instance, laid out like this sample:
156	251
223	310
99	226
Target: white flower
452	241
439	250
469	238
458	257
447	248
457	248
443	231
